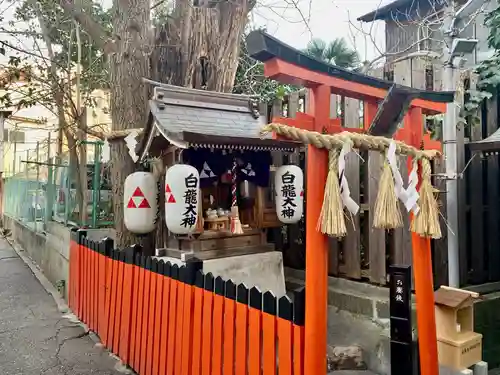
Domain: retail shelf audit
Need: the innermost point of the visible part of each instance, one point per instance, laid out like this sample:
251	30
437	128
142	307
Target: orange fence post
120	264
145	317
241	330
151	316
218	312
81	277
79	310
298	332
254	332
83	316
172	315
269	333
80	234
187	277
140	315
179	318
158	323
92	294
88	298
112	306
126	310
108	251
229	327
88	282
285	336
133	316
101	329
71	276
197	323
73	262
95	291
167	271
206	343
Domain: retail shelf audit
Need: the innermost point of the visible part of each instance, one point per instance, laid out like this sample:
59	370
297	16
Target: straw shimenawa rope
426	221
387	214
360	141
331	220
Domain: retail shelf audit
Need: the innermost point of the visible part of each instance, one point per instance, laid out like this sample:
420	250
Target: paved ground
34	337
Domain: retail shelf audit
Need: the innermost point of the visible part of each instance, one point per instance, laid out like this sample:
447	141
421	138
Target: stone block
481	368
350	303
345	358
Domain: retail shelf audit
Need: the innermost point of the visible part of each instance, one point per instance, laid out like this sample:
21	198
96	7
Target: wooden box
458	346
461	354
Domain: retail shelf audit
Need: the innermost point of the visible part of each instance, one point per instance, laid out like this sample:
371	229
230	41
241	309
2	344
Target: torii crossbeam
288	65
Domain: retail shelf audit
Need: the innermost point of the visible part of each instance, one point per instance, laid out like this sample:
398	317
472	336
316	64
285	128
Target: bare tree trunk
81	133
191	33
195	32
129	65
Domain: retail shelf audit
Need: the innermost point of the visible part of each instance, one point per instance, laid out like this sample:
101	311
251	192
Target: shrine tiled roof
188	117
487	145
199	117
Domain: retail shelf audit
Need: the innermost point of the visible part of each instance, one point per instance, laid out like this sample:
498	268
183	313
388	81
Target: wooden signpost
400	317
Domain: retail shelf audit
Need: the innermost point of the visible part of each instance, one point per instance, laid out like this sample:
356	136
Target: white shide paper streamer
131	142
398	180
411	191
106	152
345	193
408	197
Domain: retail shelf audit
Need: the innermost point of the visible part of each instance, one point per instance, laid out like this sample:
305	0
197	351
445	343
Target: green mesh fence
25	200
49	190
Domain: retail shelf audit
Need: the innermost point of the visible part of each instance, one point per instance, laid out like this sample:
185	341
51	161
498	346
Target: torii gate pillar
317	243
316	275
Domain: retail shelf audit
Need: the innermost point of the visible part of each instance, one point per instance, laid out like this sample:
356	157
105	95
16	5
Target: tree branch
98	34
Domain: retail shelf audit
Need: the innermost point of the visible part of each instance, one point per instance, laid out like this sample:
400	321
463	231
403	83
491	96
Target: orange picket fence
160	318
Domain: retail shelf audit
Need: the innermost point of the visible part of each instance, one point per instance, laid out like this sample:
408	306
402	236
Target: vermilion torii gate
288	65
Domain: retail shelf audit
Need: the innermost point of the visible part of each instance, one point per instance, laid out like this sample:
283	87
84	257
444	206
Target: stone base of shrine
258	266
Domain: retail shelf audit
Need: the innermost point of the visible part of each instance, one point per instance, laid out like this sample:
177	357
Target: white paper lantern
182	198
140	206
289	185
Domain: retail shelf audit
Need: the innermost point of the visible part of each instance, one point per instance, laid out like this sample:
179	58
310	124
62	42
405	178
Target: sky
327	19
297	21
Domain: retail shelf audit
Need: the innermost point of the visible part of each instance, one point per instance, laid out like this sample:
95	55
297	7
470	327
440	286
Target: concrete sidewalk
35	338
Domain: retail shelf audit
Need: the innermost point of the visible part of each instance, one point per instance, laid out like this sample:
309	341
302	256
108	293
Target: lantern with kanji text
289	185
182	198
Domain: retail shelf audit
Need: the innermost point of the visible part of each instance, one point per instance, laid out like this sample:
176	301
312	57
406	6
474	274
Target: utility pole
450	151
454	47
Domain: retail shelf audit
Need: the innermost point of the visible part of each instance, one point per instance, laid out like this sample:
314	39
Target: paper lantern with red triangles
182	198
140	205
289	185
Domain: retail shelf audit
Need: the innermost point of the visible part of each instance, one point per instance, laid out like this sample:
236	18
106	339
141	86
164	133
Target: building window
429	78
13	136
423	36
